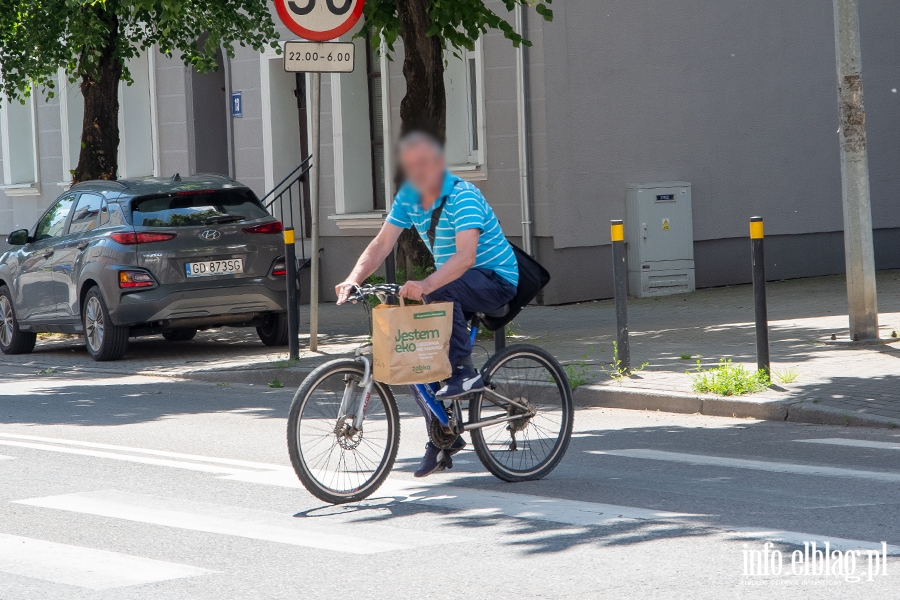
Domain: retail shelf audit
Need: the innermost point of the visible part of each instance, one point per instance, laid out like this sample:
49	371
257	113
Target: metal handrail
305	163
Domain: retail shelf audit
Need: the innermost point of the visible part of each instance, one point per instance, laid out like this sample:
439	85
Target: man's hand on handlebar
414	290
344	290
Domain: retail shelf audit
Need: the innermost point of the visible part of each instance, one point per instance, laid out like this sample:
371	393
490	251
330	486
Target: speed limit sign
319	20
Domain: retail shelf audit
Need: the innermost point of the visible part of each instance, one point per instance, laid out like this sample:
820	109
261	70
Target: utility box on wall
659	233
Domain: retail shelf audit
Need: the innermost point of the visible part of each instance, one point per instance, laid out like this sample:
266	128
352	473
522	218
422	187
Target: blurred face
424	168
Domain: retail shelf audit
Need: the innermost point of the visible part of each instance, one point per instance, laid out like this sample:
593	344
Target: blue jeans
477	291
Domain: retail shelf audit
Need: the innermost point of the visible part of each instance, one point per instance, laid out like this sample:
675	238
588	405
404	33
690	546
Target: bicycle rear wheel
336	463
529	447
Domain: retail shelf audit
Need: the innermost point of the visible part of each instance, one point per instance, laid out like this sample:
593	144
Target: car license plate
234	266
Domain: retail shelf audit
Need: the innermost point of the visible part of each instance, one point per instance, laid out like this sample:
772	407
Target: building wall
736	98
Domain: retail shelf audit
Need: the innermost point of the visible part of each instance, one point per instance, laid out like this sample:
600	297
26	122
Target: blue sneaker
436	460
465	380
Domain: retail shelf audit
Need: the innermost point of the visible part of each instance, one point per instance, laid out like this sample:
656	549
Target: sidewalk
838	383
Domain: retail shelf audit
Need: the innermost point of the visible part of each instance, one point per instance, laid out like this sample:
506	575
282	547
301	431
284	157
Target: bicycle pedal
446	460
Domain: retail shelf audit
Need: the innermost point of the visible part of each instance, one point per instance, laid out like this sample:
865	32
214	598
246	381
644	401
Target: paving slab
835	381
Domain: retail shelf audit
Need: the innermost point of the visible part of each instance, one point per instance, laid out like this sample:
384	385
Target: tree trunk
424	107
98	158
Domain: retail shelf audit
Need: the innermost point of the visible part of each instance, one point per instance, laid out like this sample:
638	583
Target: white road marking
2	457
84	567
796	538
479	503
757	465
854	443
163	453
309	532
145	460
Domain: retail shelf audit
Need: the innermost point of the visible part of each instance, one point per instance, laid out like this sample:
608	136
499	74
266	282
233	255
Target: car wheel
179	335
12	339
274	332
104	340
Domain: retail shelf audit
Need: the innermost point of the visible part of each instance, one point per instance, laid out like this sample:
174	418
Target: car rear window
202	207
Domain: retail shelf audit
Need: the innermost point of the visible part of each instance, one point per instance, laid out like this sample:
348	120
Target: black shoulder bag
532	277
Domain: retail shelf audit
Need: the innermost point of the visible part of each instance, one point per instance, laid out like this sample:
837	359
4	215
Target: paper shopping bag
411	343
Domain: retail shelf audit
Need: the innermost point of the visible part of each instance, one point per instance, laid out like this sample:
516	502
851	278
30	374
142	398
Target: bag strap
435	217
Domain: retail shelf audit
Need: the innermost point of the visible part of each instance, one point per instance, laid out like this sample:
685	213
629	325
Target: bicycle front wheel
336	462
522	380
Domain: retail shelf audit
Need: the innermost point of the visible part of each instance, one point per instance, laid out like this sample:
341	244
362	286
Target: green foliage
789	375
617	370
686	357
728	379
578	372
38	37
458	23
276	384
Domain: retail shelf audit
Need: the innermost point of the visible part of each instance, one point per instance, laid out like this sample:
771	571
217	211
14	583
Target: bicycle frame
426	391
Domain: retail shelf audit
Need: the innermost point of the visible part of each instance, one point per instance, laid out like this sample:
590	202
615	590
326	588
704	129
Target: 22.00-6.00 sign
324	57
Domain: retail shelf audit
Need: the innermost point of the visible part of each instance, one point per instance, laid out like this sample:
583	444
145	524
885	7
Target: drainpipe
524	158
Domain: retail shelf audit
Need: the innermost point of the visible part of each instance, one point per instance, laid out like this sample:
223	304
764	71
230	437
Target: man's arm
453	269
369	261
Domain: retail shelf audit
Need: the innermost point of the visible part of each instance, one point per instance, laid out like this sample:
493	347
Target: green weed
47	371
617	369
686	357
789	375
728	379
578	372
276	384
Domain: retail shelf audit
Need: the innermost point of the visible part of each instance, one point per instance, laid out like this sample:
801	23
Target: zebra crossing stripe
756	465
84	567
323	534
854	443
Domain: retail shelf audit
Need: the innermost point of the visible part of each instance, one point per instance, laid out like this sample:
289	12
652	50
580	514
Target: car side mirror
17	238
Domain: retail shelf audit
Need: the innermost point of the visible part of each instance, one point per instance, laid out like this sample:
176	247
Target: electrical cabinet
659	234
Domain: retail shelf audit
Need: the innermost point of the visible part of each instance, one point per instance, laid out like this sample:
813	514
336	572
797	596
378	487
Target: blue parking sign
237	105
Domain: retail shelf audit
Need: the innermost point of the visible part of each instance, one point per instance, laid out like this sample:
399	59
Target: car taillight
279	267
273	227
130	238
135	279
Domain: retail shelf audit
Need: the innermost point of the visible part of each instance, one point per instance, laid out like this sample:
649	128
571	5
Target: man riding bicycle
476	268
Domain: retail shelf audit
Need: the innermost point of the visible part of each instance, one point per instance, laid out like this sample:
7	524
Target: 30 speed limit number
322	57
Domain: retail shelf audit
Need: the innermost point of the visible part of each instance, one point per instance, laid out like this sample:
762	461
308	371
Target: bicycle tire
488	450
302	400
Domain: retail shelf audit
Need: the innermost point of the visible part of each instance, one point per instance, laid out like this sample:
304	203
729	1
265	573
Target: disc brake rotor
348	437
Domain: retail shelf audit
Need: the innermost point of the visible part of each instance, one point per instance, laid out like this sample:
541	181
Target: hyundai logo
210	235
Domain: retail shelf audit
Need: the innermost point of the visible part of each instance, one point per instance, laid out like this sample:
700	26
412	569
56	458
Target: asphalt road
135	487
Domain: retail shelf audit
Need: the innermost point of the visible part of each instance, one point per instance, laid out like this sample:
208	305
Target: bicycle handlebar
382	289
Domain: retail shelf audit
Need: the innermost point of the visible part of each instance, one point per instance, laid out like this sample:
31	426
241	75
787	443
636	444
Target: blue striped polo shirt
464	208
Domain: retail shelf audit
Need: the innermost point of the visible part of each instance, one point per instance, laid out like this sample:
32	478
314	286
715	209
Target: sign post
319	22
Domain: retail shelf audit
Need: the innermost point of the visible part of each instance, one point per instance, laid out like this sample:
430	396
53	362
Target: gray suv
114	259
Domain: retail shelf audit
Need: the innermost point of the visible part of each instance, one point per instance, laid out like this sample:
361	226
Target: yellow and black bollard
290	280
757	257
620	279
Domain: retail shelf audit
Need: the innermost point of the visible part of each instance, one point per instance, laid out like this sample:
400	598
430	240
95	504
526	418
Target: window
376	124
20	160
465	113
90	212
192	209
53	222
138	148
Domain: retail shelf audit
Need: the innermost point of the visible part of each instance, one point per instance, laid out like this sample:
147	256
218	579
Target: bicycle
344	427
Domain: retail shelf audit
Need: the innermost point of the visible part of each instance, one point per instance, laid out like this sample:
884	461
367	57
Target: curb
716	406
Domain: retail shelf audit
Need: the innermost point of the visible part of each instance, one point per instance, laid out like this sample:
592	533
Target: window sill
21	189
65	185
469	172
359	221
